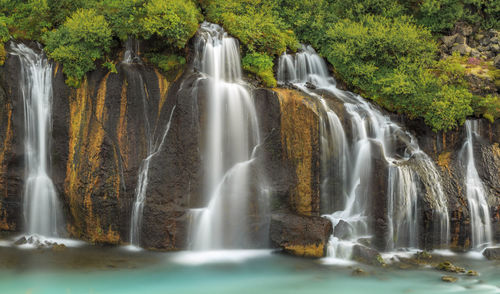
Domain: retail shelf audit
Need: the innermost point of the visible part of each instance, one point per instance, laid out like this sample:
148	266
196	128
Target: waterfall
476	196
131	53
232	135
42	211
371	131
154	145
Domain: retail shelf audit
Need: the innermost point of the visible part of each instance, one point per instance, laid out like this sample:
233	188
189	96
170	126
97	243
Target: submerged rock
449	279
449	267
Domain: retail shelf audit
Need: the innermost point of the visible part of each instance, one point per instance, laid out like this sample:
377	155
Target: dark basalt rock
367	255
300	235
343	230
492	253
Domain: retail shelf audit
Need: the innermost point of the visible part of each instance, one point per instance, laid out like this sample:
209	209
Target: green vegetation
262	66
174	20
261	31
383	49
84	38
166	62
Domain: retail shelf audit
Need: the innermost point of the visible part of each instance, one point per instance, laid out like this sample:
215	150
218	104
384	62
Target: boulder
461	40
463	49
496	61
448	41
367	255
300	235
492	253
343	230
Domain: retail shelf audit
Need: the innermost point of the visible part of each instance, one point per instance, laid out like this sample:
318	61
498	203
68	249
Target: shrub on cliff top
391	61
78	43
174	20
262	66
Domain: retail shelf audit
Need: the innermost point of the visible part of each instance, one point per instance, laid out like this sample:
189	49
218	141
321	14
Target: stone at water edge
449	267
492	253
300	235
367	255
449	279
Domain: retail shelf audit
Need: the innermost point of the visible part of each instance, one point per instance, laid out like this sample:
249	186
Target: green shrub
176	21
29	19
262	66
392	62
78	43
253	23
166	62
123	16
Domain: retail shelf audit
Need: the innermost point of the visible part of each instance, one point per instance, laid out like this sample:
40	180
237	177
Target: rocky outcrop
300	235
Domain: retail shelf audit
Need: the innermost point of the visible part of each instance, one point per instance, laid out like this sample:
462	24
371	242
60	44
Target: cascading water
154	146
232	136
370	131
42	210
476	195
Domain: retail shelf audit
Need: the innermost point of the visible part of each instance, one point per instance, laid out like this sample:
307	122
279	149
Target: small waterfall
131	54
476	195
232	136
154	143
371	131
42	210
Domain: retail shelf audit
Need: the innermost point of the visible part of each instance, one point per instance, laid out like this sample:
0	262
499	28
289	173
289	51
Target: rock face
100	139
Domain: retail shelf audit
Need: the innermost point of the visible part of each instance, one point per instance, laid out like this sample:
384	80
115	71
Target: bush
253	23
123	16
262	66
392	61
174	20
30	19
78	43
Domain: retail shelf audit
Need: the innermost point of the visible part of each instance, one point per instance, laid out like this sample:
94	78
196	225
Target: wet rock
310	86
423	255
300	235
359	272
21	241
343	230
472	273
492	253
449	267
449	279
367	255
58	247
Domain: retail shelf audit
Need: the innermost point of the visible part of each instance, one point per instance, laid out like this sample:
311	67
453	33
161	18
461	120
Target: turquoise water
224	272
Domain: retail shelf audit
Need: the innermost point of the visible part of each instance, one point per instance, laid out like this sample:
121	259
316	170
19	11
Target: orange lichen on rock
300	138
83	177
312	250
